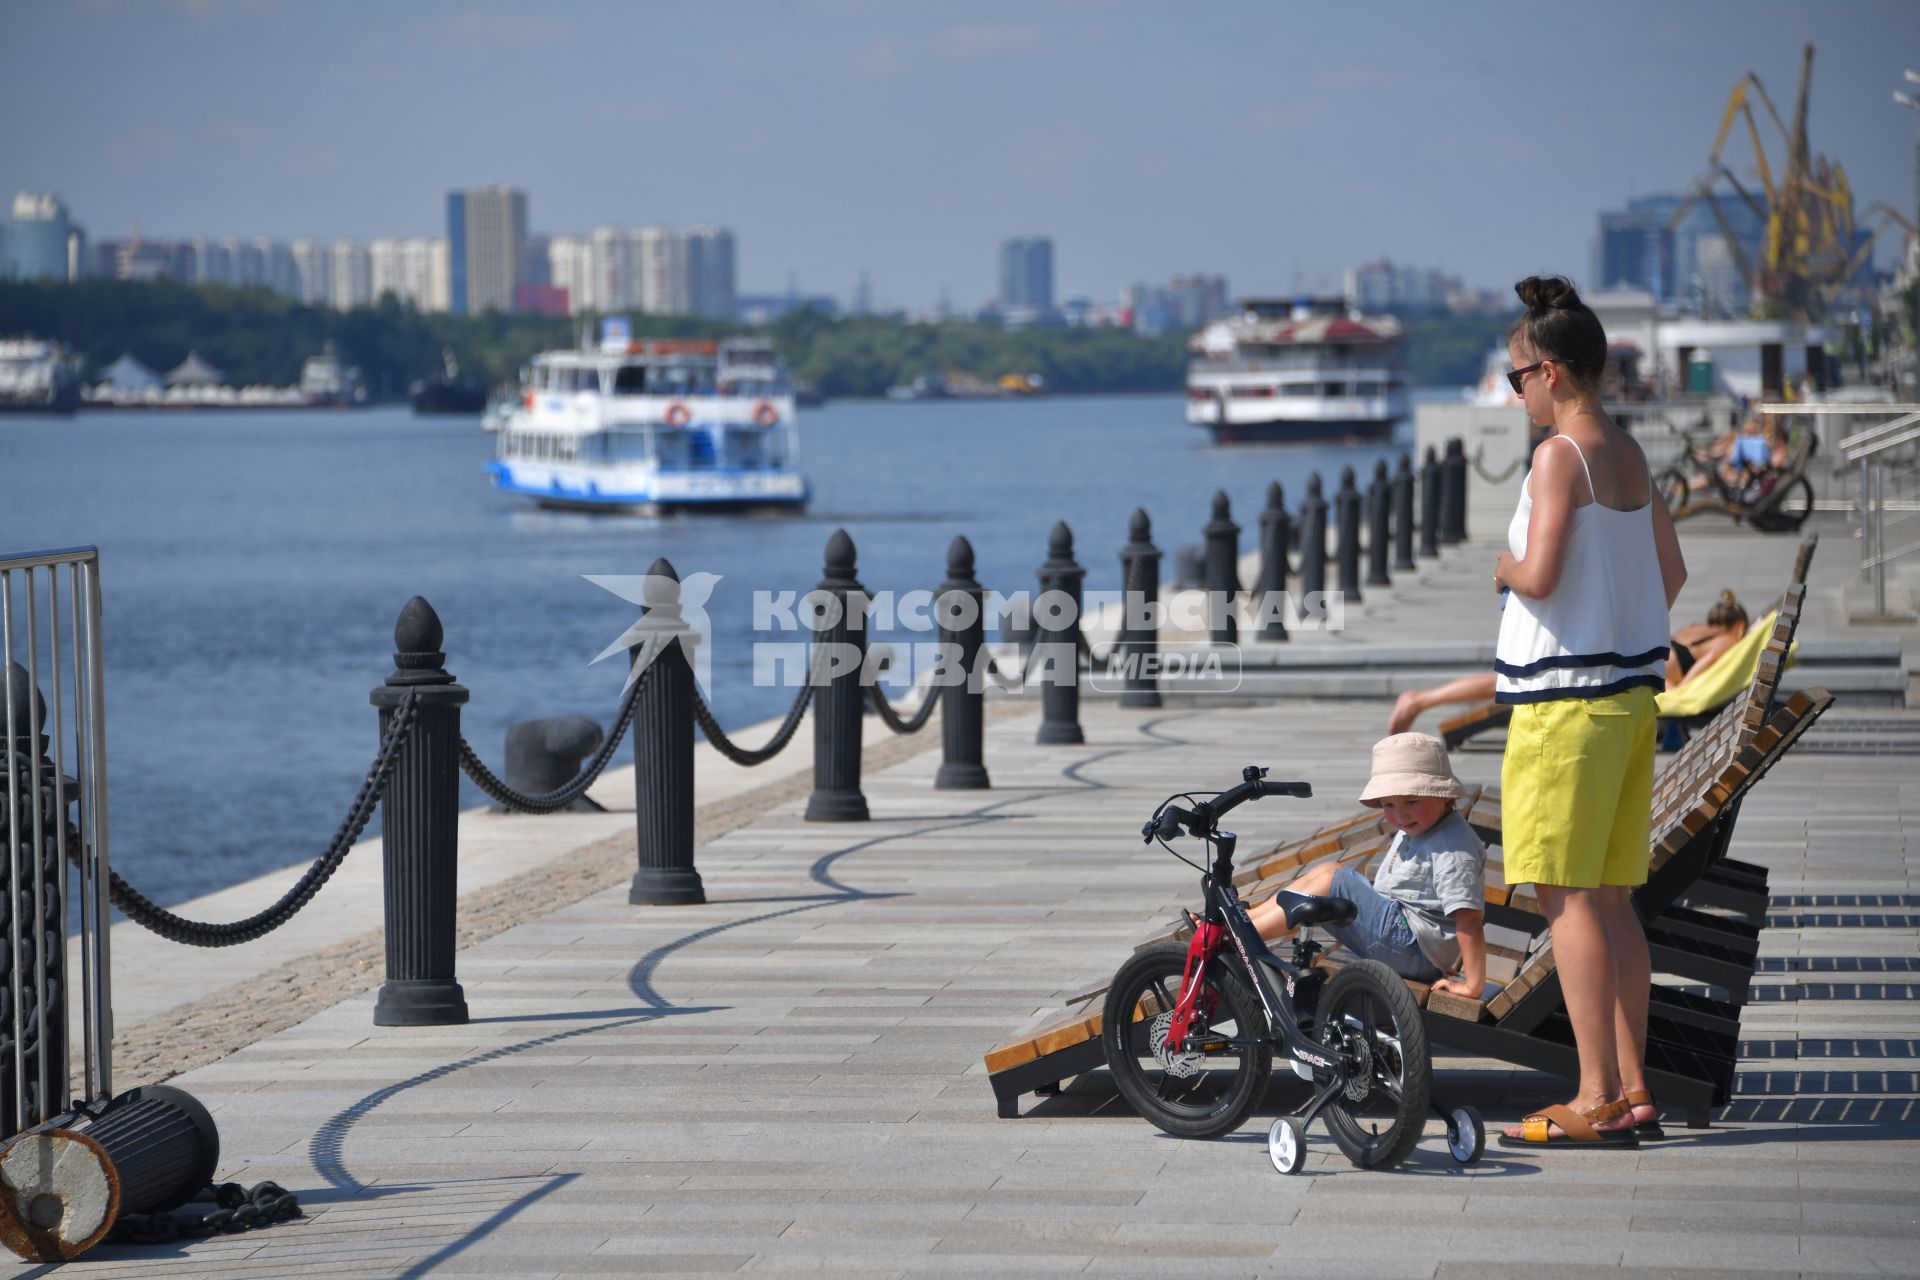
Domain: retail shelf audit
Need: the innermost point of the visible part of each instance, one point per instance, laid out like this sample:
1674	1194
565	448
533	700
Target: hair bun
1727	596
1547	293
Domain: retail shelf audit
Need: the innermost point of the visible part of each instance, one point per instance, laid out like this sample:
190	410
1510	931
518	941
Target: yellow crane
1809	250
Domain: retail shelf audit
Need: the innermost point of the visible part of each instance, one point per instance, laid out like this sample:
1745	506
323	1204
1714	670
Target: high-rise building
570	267
710	288
661	255
312	272
615	285
208	262
1026	274
277	270
487	236
352	275
413	270
536	270
34	240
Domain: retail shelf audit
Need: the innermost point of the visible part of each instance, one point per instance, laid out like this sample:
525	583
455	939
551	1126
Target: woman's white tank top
1604	627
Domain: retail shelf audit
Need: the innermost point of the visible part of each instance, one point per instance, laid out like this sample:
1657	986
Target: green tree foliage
259	337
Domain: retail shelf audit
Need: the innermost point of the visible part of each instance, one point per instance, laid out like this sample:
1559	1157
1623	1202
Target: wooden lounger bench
1696	798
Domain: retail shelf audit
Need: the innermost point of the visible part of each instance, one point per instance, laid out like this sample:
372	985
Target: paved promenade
789	1077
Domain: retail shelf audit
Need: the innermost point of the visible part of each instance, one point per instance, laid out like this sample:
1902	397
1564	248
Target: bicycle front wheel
1202	1092
1369	1017
1790	512
1672	488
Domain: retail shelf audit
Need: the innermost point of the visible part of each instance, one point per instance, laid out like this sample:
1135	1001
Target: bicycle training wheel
1368	1015
1672	488
1790	512
1203	1092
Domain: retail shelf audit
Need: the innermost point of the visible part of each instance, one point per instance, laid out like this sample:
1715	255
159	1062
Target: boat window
631	380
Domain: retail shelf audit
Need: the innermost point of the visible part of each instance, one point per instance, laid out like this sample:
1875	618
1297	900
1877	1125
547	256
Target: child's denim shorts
1380	930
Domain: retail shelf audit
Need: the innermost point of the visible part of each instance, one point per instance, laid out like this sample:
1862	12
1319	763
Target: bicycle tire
1790	511
1673	490
1367	1009
1217	1090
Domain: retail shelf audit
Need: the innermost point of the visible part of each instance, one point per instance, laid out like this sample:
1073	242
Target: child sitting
1424	912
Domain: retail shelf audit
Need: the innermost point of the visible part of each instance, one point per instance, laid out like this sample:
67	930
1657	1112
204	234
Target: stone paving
789	1077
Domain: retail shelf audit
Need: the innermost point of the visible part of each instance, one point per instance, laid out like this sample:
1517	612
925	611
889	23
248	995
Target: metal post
963	632
1140	612
1346	519
419	813
1313	540
1430	505
1057	621
1879	540
663	749
839	700
35	1066
1453	494
1379	525
1276	531
1223	572
1403	514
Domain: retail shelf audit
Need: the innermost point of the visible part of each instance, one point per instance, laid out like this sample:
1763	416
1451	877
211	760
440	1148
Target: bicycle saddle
1304	909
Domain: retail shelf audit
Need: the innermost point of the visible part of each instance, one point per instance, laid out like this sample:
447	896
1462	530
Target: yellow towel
1729	675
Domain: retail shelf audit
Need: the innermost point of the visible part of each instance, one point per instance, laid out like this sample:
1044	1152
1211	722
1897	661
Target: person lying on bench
1423	915
1694	648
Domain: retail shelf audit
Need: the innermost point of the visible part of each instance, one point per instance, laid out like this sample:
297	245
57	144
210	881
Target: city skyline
860	141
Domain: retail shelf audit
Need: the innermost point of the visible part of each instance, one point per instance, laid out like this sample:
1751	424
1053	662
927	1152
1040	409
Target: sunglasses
1516	376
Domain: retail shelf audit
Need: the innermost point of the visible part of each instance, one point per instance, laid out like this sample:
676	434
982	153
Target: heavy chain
237	1209
897	722
710	725
145	912
1488	476
559	798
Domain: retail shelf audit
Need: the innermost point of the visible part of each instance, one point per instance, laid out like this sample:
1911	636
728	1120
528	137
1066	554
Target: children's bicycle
1191	1029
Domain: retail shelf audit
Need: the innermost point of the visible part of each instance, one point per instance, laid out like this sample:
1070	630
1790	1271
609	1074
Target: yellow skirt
1576	791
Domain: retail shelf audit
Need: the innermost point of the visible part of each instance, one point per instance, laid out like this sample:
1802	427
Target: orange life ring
678	415
765	414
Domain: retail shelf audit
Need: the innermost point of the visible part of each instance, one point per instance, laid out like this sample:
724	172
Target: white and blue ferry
655	425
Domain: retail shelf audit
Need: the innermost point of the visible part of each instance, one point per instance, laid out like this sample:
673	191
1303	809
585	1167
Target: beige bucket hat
1410	764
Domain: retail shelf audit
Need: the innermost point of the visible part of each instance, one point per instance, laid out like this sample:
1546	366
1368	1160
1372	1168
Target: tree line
259	337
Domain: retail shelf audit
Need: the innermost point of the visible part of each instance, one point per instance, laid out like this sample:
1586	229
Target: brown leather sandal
1577	1131
1645	1130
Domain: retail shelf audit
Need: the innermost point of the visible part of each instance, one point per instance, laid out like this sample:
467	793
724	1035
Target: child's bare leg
1269	921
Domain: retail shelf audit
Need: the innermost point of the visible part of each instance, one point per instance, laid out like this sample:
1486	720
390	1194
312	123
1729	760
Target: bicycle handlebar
1169	820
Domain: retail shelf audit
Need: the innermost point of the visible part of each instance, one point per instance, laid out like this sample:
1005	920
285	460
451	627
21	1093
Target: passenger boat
37	376
655	425
1301	369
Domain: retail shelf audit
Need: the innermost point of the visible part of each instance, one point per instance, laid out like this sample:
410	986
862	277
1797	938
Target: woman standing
1593	570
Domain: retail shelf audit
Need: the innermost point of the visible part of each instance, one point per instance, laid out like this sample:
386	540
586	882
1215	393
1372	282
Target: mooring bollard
1453	494
1056	619
1430	505
1346	520
62	1189
1313	540
958	606
839	699
1379	532
545	755
1276	531
1223	572
663	748
419	813
1140	613
1403	514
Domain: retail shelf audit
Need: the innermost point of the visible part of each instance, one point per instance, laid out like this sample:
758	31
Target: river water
253	565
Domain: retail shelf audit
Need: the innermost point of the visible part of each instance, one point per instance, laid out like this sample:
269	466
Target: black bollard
958	606
663	749
1275	533
1346	520
1379	527
1140	613
1403	514
839	699
1453	494
33	821
1223	572
420	840
1059	650
545	755
1430	505
1313	540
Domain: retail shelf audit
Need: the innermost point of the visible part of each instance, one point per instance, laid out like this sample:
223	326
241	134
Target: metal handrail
1903	415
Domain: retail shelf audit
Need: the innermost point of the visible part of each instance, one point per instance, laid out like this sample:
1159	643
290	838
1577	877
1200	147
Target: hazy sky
1276	143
